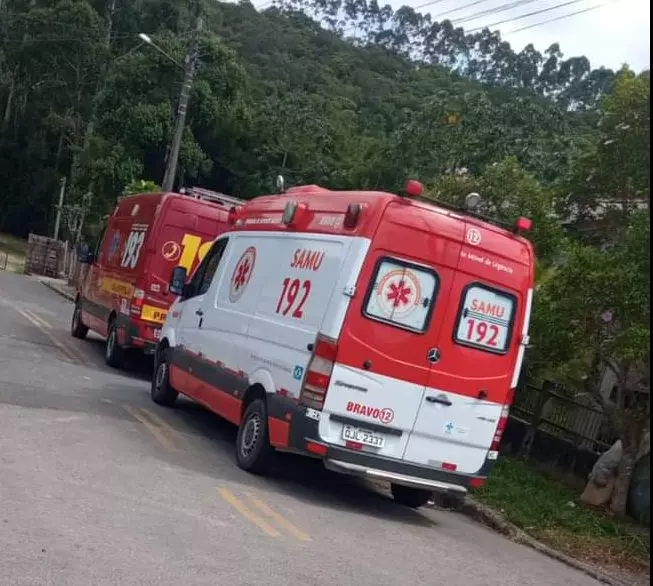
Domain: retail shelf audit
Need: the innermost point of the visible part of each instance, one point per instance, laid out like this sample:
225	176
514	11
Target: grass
551	511
16	249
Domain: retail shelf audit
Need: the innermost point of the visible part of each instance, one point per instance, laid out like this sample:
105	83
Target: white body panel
266	331
350	387
431	433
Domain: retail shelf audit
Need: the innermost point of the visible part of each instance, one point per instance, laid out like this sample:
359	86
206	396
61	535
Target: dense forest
351	94
363	99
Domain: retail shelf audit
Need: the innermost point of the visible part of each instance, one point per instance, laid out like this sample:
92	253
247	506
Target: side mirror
177	282
86	258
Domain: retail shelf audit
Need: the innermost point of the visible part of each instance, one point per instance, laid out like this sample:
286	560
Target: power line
534	13
495	10
564	16
431	3
446	12
8	41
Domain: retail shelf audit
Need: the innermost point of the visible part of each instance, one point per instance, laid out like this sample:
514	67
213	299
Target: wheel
409	496
113	353
162	393
77	327
253	450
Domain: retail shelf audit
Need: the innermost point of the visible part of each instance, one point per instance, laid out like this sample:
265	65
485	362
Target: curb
59	291
496	521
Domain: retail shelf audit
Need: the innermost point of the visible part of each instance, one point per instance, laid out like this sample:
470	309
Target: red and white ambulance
124	293
380	333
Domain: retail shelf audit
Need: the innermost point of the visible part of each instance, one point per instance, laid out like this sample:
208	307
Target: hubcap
250	435
160	375
111	342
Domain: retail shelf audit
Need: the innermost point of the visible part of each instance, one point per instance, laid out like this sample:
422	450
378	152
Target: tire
409	496
161	392
114	355
253	450
77	327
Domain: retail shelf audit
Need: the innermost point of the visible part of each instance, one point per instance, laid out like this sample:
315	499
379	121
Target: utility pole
57	221
190	67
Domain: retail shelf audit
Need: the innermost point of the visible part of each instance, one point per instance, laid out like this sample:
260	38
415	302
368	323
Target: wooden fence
576	420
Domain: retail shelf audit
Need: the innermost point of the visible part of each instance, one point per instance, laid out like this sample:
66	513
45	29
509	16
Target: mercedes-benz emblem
433	355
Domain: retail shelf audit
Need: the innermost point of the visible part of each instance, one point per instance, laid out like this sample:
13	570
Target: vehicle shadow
303	478
137	365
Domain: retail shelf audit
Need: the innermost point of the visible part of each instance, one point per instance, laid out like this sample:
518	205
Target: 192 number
293	297
482	333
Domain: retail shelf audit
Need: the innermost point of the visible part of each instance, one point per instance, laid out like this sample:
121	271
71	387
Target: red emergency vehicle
378	332
124	293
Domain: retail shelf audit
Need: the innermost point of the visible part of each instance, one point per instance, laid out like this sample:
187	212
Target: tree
611	178
595	310
507	192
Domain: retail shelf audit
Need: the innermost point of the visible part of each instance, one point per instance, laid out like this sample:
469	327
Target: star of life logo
398	293
242	274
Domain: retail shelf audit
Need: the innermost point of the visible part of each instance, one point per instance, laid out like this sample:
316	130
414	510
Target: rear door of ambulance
382	367
476	348
185	230
131	230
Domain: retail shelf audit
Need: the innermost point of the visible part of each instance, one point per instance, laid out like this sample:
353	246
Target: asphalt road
100	486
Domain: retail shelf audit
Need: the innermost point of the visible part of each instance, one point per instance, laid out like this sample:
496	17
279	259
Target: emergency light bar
414	189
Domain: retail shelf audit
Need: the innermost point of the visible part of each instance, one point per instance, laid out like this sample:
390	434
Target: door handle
199	312
440	399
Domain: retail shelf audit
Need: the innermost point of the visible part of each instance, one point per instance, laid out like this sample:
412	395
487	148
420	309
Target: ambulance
124	292
378	332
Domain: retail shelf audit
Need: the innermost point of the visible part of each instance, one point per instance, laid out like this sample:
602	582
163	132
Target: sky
616	33
608	32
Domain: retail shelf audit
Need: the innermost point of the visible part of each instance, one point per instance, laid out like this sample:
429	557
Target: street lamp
147	39
189	75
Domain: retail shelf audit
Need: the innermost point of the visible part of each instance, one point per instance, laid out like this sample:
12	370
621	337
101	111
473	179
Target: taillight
318	373
138	298
493	454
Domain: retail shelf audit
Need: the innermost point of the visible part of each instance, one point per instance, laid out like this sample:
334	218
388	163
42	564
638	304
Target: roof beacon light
352	215
413	188
472	200
289	212
523	224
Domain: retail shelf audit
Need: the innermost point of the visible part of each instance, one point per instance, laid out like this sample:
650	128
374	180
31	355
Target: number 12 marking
290	293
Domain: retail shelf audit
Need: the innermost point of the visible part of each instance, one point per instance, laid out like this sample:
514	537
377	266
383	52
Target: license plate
362	436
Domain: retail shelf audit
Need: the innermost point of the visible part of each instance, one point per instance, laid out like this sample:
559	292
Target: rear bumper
365	471
303	437
139	334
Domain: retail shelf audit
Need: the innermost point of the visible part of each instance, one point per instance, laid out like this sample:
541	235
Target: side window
485	318
100	244
402	294
203	276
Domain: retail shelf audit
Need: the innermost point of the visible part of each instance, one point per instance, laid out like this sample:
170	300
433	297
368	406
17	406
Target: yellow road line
246	512
39	319
154	418
71	350
67	351
279	519
161	437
